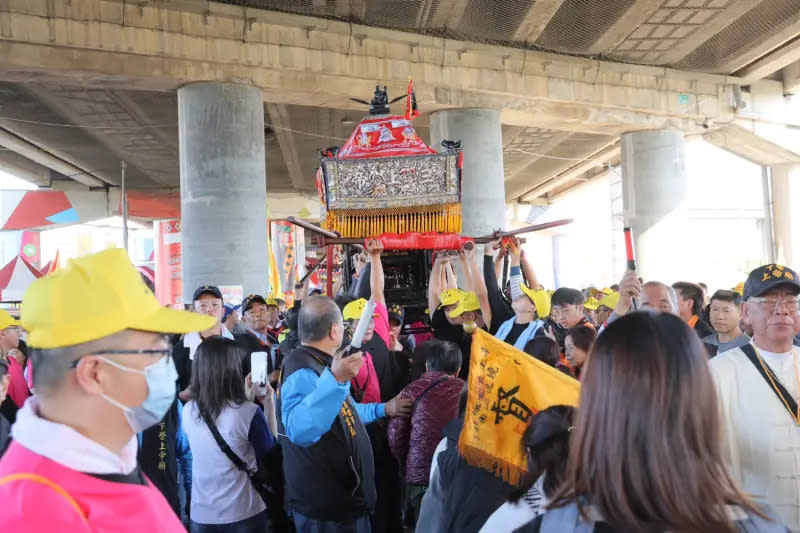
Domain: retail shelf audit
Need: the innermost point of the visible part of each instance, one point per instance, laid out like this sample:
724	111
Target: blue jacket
324	440
311	403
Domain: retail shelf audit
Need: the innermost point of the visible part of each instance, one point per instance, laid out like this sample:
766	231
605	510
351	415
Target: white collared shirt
763	442
64	445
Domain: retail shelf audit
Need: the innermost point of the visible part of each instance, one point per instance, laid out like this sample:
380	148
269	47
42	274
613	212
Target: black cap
767	277
252	299
396	312
207	289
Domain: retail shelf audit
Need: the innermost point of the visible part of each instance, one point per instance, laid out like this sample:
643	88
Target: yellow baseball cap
592	304
739	287
468	302
610	301
450	297
355	309
6	320
540	298
96	296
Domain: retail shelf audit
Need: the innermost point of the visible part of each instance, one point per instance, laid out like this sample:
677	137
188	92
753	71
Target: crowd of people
119	414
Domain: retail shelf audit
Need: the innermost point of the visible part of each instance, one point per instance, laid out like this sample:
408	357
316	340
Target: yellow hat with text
468	302
450	297
7	321
540	298
355	309
96	296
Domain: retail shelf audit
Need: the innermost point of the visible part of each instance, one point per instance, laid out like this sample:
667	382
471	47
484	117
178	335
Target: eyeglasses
163	352
771	304
208	306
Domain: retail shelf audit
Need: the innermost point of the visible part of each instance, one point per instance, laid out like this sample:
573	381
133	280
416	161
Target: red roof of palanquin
383	136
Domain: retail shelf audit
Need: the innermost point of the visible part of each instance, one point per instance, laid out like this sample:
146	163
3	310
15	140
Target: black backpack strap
783	395
235	459
429	387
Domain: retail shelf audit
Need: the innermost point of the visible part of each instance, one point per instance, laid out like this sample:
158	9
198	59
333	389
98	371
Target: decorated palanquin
386	182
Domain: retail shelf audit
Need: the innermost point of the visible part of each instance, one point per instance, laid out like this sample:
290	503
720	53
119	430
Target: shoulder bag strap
766	372
235	459
58	489
429	387
358	389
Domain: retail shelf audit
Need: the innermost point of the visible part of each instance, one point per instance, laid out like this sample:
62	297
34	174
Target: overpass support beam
483	196
785	215
223	186
654	190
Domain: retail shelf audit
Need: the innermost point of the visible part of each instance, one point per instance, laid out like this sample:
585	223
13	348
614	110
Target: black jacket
702	329
252	344
159	438
461	497
445	331
334	478
501	311
5	434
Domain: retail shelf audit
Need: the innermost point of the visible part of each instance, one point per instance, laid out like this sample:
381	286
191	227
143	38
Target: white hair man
650	296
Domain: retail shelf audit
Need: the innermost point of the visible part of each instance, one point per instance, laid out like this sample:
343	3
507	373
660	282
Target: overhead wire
154	126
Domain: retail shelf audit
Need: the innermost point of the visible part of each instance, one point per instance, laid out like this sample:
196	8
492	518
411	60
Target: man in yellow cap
18	390
605	307
468	312
530	308
590	307
103	373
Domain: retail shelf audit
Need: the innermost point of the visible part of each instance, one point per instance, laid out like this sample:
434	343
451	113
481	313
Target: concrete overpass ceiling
141	127
135	126
712	36
534	156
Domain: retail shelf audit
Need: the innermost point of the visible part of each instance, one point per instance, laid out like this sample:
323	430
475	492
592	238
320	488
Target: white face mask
161	388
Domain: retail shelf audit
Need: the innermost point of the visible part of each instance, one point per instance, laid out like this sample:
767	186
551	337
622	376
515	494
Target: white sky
11	182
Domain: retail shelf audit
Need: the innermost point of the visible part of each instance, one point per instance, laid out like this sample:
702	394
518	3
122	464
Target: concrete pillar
223	187
654	189
483	184
785	216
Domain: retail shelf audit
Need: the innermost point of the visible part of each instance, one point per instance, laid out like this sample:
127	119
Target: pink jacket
42	496
17	386
367	378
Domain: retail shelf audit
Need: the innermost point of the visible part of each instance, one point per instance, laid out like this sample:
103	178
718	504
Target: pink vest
42	496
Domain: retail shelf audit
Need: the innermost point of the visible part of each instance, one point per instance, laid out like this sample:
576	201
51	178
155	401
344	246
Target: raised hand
346	368
374	247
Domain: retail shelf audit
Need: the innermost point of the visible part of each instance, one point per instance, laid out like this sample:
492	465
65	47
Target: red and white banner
169	274
288	245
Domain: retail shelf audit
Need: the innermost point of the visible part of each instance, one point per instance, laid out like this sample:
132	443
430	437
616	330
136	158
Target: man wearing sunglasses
103	373
759	388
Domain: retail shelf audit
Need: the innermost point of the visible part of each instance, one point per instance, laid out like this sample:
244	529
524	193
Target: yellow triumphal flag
506	387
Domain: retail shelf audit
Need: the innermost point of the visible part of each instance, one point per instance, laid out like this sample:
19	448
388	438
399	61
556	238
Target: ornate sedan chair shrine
386	183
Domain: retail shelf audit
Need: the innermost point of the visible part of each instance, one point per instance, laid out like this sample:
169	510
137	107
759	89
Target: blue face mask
160	377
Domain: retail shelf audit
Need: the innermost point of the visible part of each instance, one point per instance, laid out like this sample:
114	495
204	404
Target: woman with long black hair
546	441
223	498
646	449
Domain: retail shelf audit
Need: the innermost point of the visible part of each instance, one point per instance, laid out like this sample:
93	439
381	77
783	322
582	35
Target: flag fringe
509	472
372	222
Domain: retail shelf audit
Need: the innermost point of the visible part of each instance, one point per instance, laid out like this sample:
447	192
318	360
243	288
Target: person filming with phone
327	454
